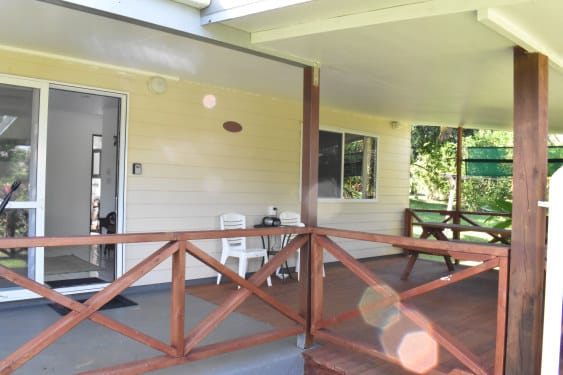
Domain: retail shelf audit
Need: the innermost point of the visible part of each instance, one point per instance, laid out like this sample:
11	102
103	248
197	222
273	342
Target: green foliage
352	188
481	192
488	138
500	205
14	165
433	157
430	170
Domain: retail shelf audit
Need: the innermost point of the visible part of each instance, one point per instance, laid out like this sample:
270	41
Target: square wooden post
309	192
177	299
310	151
527	255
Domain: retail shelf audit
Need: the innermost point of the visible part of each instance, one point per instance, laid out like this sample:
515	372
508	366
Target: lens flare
380	317
418	352
209	101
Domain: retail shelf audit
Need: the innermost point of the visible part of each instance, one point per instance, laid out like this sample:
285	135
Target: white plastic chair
236	246
289	218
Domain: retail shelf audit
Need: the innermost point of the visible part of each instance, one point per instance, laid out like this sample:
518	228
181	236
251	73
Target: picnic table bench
437	230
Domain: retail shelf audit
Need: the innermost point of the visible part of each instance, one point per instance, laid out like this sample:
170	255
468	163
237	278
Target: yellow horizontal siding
193	169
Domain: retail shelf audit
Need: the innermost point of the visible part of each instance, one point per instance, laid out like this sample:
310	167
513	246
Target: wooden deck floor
466	310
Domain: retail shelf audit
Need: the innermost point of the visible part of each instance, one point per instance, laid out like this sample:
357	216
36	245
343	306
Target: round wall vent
232	126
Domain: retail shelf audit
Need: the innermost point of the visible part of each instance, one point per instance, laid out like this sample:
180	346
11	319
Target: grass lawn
429	216
13	262
483	220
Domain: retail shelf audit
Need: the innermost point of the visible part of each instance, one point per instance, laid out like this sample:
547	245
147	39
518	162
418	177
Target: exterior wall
385	214
193	170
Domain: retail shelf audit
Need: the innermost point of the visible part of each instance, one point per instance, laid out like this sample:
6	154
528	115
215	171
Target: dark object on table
271	221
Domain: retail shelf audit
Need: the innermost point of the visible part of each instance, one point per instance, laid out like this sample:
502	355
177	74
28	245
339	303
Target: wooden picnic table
437	230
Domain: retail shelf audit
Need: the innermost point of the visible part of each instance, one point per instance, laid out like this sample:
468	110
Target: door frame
39	204
121	177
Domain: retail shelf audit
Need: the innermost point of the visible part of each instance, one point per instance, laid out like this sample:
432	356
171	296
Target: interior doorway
81	184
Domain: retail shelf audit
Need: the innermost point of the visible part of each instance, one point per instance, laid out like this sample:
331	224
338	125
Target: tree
433	158
481	192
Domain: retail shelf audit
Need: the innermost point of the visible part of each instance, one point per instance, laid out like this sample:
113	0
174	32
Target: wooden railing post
457	221
305	300
501	316
407	222
177	299
317	290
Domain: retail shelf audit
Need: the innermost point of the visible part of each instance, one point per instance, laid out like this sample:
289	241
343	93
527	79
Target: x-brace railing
491	257
181	348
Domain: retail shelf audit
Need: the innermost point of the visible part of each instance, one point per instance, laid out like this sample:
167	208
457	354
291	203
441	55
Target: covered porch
385	96
436	322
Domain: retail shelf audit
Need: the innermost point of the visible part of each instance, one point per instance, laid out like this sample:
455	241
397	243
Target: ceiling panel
448	69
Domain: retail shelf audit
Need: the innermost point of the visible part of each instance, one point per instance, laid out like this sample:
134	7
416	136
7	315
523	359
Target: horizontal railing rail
308	320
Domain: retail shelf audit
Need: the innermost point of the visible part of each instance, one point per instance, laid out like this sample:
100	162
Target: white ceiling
444	62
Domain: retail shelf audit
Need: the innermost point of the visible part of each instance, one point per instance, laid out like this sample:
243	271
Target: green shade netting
497	161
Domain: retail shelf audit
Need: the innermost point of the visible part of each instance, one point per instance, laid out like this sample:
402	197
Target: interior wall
385	214
68	179
108	163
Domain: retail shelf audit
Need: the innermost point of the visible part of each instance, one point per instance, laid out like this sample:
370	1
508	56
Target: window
347	165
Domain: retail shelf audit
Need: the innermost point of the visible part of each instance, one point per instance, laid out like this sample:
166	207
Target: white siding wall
385	214
193	170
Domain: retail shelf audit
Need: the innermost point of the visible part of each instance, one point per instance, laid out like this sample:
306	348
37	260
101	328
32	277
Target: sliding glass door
23	114
43	192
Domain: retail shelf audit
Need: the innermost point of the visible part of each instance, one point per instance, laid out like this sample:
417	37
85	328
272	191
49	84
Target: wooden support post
527	256
310	152
309	191
459	160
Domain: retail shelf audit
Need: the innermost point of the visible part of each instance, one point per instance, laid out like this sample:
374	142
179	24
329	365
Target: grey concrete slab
90	346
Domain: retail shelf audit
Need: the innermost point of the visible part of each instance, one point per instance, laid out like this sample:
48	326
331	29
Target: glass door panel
15	223
21	103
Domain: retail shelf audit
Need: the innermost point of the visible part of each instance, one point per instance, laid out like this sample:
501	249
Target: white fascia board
503	25
378	16
258	6
164	14
199	4
176	17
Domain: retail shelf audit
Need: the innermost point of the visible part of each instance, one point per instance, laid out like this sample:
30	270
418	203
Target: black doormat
74	282
116	302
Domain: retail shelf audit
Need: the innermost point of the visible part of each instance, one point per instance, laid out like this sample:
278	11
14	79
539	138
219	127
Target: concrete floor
90	346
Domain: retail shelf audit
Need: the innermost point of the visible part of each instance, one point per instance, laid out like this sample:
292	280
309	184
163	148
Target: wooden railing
491	256
309	320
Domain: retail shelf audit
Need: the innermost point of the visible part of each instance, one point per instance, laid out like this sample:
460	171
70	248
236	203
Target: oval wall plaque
232	126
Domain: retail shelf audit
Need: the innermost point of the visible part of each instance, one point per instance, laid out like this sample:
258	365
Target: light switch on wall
137	168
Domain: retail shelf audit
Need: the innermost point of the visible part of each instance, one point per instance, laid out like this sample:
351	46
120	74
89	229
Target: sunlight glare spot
209	101
376	317
418	352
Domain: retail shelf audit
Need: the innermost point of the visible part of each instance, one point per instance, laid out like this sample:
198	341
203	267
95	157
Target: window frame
343	132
